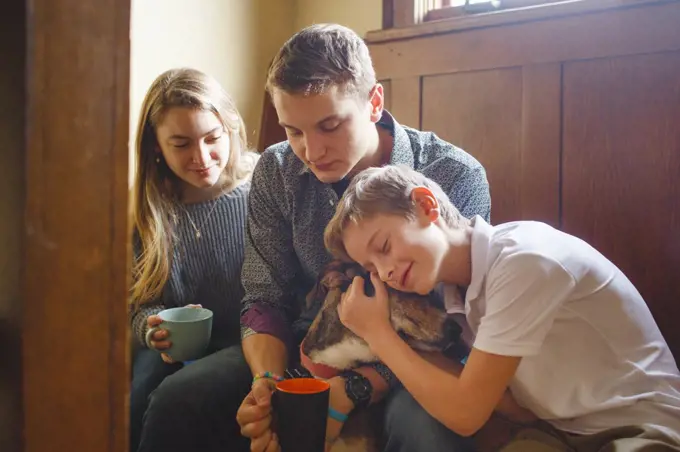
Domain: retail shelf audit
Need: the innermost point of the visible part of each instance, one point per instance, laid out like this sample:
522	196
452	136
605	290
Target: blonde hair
156	188
384	190
319	57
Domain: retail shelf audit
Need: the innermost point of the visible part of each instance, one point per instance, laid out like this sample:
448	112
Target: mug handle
149	336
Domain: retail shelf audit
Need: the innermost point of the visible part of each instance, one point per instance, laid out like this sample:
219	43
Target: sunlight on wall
233	40
359	15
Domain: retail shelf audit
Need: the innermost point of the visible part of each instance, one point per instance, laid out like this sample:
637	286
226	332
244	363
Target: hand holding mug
157	336
254	416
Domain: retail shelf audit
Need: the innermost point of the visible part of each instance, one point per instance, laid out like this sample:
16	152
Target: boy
324	88
554	321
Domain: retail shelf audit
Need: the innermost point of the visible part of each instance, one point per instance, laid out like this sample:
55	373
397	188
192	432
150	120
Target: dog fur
420	320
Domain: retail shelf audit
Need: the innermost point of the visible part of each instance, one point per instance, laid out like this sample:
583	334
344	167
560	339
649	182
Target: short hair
319	57
384	190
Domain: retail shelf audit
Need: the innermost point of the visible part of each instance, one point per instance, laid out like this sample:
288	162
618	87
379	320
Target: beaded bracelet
269	375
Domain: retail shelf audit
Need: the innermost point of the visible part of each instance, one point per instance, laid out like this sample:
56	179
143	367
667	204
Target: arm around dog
475	394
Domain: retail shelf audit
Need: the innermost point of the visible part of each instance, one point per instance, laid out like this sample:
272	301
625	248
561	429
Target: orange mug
300	414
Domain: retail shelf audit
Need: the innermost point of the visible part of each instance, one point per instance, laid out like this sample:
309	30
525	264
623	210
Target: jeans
148	371
409	428
195	408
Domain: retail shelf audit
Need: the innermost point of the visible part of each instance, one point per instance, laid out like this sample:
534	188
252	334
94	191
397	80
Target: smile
404	277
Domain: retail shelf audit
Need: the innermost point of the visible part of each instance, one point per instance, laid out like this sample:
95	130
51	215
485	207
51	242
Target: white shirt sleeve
523	294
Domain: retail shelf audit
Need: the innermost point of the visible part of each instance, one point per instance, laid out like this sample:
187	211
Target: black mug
301	413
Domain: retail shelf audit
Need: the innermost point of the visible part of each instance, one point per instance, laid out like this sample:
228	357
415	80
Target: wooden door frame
75	369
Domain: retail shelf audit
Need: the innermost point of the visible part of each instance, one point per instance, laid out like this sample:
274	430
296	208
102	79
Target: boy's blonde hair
321	56
156	191
385	190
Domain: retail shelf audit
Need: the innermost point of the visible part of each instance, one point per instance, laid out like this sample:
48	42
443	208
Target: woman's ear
426	203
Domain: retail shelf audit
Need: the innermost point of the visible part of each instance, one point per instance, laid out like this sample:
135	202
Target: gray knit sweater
206	270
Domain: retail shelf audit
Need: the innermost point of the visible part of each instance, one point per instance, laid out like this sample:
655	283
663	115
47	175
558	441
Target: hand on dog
254	416
159	338
365	316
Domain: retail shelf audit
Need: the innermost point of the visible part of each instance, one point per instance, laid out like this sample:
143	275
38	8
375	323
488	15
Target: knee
200	388
408	427
171	395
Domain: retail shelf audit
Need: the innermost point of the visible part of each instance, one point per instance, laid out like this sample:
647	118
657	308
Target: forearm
265	338
507	405
265	353
436	388
138	320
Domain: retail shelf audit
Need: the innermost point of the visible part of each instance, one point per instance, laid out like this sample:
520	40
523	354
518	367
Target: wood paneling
75	339
481	112
600	34
12	113
271	131
387	90
621	171
406	106
494	19
541	143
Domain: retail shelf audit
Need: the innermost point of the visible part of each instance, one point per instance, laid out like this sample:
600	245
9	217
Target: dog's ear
354	270
318	292
329	279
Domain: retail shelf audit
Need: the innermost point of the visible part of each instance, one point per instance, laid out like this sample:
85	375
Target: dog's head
420	320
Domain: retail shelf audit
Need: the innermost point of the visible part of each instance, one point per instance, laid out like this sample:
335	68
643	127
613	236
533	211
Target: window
403	13
444	9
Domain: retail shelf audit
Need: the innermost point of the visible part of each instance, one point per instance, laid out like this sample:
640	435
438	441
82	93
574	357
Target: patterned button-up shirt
289	209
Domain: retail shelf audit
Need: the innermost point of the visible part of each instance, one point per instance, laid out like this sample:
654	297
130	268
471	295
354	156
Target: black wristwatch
358	388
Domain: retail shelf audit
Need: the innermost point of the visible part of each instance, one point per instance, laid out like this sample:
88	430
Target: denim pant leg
409	428
148	371
195	408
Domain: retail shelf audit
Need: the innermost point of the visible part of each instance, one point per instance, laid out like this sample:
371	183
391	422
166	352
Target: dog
420	320
329	347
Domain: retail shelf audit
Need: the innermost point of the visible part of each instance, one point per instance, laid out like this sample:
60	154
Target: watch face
360	387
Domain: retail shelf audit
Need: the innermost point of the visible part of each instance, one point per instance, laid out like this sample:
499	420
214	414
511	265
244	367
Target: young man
325	92
553	319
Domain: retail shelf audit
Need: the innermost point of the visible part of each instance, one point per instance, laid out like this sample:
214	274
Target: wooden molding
75	324
653	28
405	28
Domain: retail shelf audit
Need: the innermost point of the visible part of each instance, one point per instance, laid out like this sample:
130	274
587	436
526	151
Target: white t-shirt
593	357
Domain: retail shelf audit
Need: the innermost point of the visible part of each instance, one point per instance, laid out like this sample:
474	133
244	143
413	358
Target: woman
190	205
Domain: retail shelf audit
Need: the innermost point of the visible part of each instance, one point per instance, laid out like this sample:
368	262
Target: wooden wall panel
621	171
541	143
481	112
387	90
271	131
12	191
628	30
76	243
406	106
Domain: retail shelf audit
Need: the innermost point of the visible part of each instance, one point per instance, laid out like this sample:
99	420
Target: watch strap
350	377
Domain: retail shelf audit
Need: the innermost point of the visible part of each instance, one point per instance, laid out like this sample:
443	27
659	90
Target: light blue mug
189	331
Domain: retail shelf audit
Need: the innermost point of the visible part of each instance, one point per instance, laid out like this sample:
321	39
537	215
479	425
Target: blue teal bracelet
335	414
